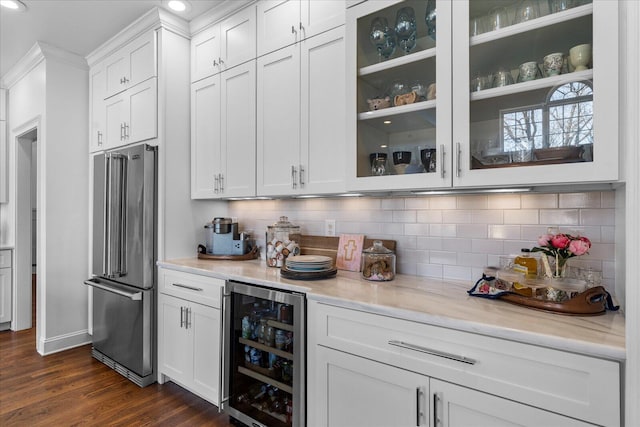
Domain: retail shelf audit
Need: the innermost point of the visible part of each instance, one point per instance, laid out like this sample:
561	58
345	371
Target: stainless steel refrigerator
124	253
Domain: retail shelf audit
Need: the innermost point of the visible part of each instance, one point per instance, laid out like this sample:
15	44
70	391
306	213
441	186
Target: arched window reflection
570	115
564	119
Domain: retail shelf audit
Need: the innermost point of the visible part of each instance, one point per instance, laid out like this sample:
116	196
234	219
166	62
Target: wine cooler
263	358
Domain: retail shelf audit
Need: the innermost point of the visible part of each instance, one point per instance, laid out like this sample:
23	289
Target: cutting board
328	245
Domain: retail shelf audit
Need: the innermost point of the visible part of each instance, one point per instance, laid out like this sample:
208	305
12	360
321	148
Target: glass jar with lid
378	263
282	240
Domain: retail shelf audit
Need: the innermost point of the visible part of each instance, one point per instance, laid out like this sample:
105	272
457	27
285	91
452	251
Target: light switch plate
329	227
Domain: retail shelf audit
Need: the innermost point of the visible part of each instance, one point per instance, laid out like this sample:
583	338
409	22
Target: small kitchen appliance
222	238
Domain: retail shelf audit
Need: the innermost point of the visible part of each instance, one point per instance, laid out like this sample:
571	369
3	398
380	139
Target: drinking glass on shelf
430	18
382	37
497	18
406	29
477	25
527	10
556	6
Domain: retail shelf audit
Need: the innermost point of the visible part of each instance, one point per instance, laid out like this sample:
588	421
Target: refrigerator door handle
123	219
106	259
225	345
135	296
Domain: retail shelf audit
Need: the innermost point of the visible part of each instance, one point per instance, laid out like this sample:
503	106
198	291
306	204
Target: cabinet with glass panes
531	96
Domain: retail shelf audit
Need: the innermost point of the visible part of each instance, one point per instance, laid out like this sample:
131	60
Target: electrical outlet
329	227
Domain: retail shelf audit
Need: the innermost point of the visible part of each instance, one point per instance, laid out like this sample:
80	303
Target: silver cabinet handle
135	296
188	310
215	63
99	138
458	153
293	29
121	131
437	409
181	316
433	352
220	61
191	288
215	183
293	177
126	130
301	176
419	408
221	181
442	161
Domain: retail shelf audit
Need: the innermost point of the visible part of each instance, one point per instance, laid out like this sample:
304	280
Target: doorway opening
26	266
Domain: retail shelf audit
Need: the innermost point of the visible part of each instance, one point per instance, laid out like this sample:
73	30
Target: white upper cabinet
98	90
223	134
416	125
133	64
132	116
285	22
301	118
224	45
554	125
558	125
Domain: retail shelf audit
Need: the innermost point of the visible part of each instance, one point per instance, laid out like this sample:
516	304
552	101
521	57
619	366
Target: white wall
52	95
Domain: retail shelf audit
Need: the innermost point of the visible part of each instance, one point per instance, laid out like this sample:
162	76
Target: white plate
307	259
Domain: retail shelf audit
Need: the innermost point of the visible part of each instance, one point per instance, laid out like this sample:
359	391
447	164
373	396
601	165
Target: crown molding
38	53
154	19
216	14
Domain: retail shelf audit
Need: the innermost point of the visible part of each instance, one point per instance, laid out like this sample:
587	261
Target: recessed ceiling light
178	5
13	5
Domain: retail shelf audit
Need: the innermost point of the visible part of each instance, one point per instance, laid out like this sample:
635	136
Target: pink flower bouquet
561	247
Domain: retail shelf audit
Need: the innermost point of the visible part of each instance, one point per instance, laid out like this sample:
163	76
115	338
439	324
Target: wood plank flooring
70	388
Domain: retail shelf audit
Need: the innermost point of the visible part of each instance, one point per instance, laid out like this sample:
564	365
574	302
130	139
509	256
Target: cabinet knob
215	63
293	29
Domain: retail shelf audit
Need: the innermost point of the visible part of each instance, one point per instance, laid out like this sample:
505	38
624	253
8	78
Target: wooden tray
307	275
591	302
253	254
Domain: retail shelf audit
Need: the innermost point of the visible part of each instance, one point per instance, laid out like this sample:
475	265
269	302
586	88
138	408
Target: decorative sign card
350	252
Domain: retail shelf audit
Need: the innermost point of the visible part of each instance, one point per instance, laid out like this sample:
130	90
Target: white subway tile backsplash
392	204
457	216
597	217
472	230
560	216
442	230
472	202
431	243
504	231
404	216
504	201
452	237
521	216
418	203
487	246
442	202
539	201
430	216
456	245
494	216
441	257
579	200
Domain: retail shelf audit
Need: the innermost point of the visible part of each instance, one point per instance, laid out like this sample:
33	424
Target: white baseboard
63	342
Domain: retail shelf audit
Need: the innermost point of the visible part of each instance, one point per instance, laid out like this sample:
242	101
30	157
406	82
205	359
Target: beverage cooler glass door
263	358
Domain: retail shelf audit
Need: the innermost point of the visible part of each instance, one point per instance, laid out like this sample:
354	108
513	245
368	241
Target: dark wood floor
70	388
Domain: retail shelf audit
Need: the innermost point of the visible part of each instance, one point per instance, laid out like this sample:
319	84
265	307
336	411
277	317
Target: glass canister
378	263
282	239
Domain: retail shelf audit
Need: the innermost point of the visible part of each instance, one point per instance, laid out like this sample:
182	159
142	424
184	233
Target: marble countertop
435	302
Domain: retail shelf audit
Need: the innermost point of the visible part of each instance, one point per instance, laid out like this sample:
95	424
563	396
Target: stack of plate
308	267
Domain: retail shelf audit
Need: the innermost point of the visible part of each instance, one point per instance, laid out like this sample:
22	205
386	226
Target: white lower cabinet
371	370
5	287
189	334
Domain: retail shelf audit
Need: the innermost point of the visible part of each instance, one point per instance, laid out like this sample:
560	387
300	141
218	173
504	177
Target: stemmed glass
406	28
430	18
382	37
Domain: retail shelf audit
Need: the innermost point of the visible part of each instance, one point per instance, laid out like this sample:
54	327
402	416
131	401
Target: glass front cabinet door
398	60
527	93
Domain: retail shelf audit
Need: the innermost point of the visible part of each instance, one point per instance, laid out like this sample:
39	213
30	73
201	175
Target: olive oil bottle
528	265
